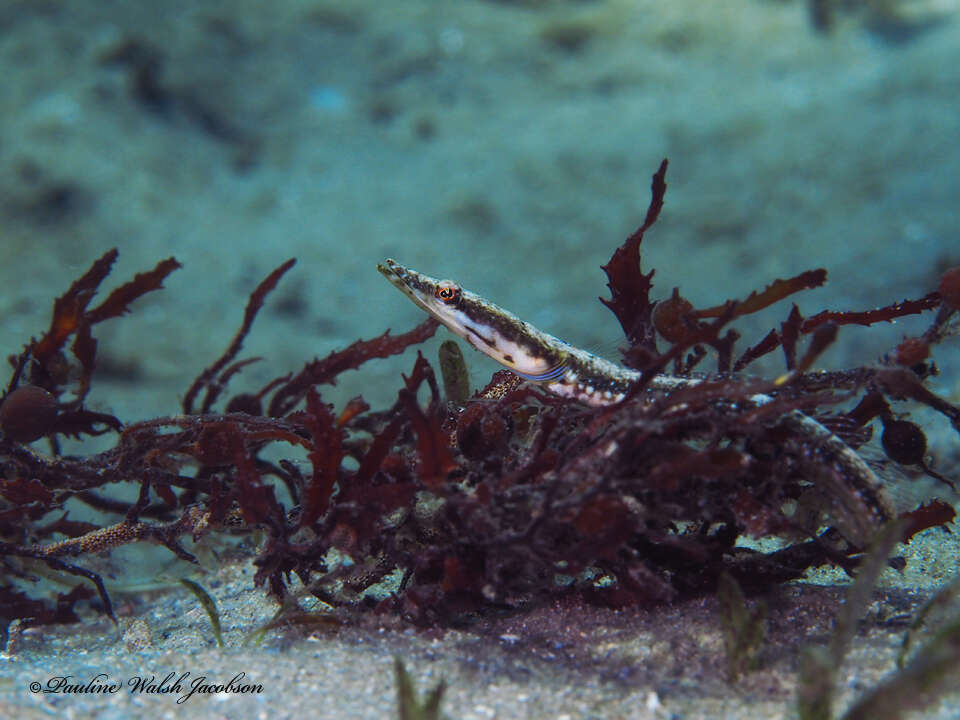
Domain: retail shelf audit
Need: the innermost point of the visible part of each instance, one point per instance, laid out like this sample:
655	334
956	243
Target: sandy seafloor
508	145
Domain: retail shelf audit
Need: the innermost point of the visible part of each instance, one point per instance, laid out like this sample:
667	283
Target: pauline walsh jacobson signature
182	685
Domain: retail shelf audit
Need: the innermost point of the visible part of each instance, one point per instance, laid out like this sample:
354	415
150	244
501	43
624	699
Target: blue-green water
507	145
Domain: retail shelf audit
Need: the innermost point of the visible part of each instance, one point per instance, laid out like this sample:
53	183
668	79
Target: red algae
483	504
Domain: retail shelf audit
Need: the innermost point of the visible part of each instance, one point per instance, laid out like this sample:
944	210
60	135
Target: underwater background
505	144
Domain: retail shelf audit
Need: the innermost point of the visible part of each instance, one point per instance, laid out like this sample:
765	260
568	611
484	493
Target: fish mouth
390	269
396	273
402	279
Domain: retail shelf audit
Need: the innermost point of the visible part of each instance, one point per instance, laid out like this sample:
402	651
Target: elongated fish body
574	373
530	353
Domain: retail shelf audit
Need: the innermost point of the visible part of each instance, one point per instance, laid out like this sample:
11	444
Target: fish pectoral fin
552	374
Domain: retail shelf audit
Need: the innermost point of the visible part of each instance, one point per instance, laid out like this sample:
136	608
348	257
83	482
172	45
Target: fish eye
448	292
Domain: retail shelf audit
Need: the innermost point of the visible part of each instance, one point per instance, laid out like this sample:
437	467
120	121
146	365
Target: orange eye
448	293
